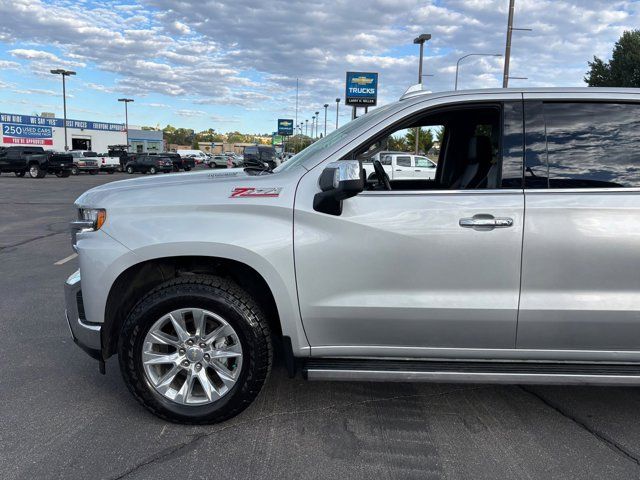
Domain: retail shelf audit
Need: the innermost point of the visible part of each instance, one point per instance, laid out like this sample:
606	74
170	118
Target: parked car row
37	162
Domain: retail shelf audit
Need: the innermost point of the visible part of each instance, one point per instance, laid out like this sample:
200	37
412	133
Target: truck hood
193	188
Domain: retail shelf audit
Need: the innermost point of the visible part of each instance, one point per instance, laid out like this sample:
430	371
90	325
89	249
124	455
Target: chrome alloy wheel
192	356
33	171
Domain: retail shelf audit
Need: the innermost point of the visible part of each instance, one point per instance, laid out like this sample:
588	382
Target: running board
471	372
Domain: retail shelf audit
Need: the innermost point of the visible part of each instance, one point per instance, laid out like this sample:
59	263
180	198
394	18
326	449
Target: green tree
623	70
425	140
397	144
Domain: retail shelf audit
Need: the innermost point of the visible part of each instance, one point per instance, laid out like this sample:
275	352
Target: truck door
402	271
580	276
402	167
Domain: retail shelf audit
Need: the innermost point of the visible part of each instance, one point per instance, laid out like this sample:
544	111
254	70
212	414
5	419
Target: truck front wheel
36	172
195	350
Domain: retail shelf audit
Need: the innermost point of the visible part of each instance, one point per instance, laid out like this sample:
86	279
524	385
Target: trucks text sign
362	89
285	126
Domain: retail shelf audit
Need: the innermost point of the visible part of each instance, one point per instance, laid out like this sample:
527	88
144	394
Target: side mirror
338	181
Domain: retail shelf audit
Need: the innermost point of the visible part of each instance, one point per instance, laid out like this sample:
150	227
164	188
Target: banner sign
26	134
276	140
24	120
285	126
362	89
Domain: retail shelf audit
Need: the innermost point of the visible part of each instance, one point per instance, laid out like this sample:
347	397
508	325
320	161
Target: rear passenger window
403	161
593	145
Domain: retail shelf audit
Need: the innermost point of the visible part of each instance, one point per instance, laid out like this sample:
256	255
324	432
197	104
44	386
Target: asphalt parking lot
61	419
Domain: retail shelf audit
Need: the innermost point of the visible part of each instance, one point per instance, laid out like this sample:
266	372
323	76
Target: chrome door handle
486	222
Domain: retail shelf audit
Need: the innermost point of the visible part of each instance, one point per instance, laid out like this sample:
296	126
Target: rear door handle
486	222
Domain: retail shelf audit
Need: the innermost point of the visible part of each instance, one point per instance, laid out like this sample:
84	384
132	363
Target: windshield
333	138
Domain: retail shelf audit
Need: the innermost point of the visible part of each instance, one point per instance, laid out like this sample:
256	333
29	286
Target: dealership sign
361	89
285	126
26	134
29	130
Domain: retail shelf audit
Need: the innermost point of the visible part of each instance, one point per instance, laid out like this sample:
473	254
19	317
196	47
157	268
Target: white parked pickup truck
196	280
108	164
403	166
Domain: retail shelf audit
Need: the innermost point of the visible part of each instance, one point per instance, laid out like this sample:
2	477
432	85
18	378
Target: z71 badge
255	192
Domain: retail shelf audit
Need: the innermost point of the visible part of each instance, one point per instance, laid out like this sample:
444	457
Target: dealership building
48	132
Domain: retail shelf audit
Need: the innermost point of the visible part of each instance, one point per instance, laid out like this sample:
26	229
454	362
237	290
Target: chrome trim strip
582	190
468	377
448	353
497	191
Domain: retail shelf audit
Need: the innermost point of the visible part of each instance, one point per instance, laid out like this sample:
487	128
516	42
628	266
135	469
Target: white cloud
8	65
248	54
190	113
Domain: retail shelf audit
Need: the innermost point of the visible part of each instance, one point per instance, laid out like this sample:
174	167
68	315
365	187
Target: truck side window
403	161
593	145
458	148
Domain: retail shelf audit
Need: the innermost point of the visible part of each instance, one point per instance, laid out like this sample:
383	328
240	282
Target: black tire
186	169
94	172
35	171
110	172
63	174
75	171
219	296
152	170
210	165
19	174
130	170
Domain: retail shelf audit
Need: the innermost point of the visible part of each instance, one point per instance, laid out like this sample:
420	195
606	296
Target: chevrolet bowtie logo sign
362	89
285	126
362	80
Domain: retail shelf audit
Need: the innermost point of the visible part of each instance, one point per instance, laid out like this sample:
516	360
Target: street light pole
472	55
126	117
420	40
326	105
64	73
507	49
317	118
306	128
337	108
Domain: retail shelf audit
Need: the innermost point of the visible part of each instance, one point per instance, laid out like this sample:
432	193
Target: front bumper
85	334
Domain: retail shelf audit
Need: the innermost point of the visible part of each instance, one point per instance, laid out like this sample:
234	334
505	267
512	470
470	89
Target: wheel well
132	284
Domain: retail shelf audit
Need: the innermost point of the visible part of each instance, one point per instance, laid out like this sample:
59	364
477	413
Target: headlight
89	220
92	218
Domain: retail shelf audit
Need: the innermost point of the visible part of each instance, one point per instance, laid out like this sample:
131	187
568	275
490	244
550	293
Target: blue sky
232	65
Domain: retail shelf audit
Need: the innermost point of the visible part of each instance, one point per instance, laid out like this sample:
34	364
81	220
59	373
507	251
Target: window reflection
591	145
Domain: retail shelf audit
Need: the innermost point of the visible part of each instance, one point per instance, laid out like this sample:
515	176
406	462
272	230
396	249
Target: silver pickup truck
518	262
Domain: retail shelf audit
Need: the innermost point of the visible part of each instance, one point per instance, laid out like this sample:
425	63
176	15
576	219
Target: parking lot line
66	259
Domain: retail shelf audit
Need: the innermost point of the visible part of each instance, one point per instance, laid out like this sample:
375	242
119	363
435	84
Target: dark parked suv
260	156
179	163
34	161
150	163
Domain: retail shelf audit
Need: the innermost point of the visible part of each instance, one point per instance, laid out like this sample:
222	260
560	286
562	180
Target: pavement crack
29	240
600	436
183	448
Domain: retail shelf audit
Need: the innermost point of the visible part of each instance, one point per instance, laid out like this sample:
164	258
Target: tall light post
507	49
337	108
64	73
313	125
420	40
317	118
126	117
306	128
472	55
326	105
